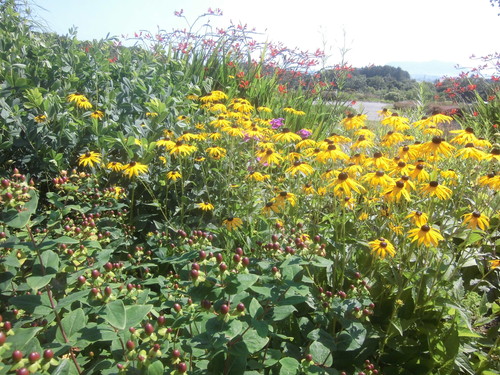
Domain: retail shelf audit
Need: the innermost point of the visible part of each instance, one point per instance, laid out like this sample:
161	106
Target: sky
373	32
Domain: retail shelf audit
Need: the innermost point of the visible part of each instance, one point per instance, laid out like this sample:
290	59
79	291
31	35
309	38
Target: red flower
282	89
240	74
244	84
491	98
475	113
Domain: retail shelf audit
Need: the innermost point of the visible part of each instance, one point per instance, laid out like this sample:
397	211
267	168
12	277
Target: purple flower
304	133
276	123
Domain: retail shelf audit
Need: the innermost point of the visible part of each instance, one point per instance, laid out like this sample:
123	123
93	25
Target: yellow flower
379	161
234	131
40	118
439	118
475	220
494	263
216	153
300	167
425	235
379	178
434	189
331	153
80	100
220	122
97	115
205	206
392	138
384	112
165	142
286	136
264	109
151	114
493	155
402	169
118	192
271	207
173	175
491	180
470	152
394	193
84	104
257	176
382	247
433	130
397	122
181	149
418	218
115	166
438	146
362	142
269	156
232	223
346	185
306	143
89	158
285	196
134	168
213	96
352	122
463	136
218	107
419	173
308	189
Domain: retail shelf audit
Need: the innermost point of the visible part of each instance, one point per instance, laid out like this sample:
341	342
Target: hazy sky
375	31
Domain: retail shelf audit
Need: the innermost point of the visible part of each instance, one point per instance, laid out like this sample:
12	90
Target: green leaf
135	314
321	353
38	305
73	322
255	309
289	366
44	271
23	337
116	315
156	368
282	312
16	219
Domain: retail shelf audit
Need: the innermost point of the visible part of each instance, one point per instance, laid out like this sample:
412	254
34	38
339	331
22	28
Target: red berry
309	357
161	320
48	354
108	266
182	367
194	274
240	307
224	309
177	307
17	355
108	291
22	371
95	274
245	261
33	357
148	328
176	353
3	338
7	326
222	267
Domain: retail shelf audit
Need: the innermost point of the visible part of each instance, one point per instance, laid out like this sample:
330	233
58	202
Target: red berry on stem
148	328
182	367
33	357
48	354
17	355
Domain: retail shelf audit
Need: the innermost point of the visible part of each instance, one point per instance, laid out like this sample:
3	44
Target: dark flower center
379	173
405	148
401	164
269	151
283	194
405	178
132	163
469	145
420	166
332	147
383	244
377	155
495	151
476	214
425	228
469	130
400	184
343	176
433	184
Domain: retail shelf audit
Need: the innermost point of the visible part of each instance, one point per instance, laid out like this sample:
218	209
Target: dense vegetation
179	207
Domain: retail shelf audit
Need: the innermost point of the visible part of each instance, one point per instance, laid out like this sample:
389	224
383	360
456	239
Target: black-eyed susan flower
182	149
293	156
115	166
358	159
353	170
419	173
433	130
338	139
435	189
418	218
349	202
449	175
286	136
476	220
165	142
257	176
346	184
331	153
134	168
493	155
382	247
232	223
173	175
392	138
463	136
491	180
306	143
216	153
89	158
364	131
220	122
439	118
352	122
285	196
271	207
398	123
379	178
402	169
213	96
482	143
40	118
379	161
426	235
494	263
408	153
384	112
264	109
363	142
151	114
396	192
308	189
234	131
218	108
269	157
300	167
436	147
470	152
205	206
241	105
97	115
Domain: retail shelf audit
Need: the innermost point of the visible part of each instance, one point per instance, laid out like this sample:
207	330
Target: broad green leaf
282	312
116	315
17	219
44	271
136	314
72	323
38	305
289	366
23	337
320	353
155	368
255	309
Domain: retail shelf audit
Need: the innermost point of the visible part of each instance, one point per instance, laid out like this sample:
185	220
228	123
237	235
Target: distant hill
427	70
